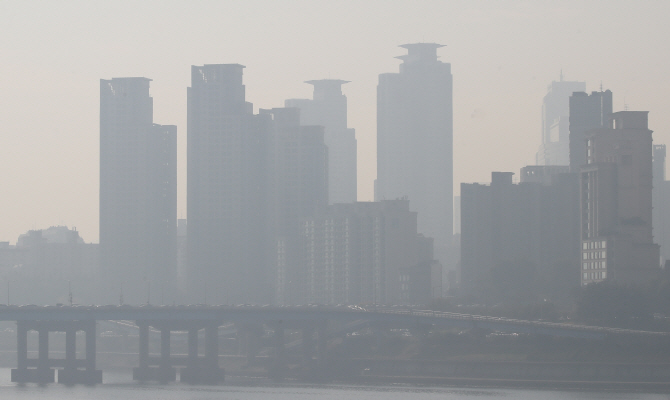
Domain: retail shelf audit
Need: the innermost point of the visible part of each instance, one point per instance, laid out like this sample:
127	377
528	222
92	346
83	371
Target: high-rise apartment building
555	147
660	201
299	169
228	230
138	193
360	253
328	108
299	187
616	202
415	141
586	112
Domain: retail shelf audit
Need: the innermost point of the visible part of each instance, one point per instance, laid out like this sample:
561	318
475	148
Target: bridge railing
512	321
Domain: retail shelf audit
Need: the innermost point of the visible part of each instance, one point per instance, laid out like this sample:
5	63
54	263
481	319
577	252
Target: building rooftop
420	52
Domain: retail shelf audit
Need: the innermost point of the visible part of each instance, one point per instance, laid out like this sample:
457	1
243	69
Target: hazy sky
503	56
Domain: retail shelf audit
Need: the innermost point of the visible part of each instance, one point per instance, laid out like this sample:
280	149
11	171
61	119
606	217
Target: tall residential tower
138	193
228	230
415	141
328	108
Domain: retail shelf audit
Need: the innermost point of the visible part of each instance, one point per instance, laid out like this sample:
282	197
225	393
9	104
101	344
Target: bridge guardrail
538	324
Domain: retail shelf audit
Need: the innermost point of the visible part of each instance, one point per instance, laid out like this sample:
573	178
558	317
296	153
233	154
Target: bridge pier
152	370
71	374
195	369
313	350
277	367
321	346
206	370
249	336
40	370
308	348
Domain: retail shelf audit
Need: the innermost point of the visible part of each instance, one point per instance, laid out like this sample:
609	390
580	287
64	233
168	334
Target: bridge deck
299	315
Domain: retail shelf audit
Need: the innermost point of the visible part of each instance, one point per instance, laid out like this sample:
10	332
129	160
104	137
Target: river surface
118	386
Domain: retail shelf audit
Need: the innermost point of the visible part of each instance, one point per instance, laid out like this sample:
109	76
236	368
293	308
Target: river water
118	386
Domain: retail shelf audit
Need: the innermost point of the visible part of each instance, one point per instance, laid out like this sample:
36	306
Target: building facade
587	112
328	108
660	201
138	192
299	165
616	202
415	141
47	265
555	147
299	168
356	253
528	233
228	207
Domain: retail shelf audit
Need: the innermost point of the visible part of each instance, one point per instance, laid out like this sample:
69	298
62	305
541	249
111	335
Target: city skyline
502	74
459	193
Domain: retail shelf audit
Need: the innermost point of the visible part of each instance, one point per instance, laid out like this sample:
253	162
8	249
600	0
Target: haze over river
118	385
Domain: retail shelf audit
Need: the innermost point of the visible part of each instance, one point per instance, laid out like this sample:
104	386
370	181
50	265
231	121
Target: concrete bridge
194	368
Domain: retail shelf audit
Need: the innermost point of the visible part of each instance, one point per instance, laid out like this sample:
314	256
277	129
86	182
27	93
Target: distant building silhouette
138	192
182	253
357	253
228	205
586	112
328	108
555	147
299	187
45	264
533	225
415	141
299	169
616	202
544	174
661	202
